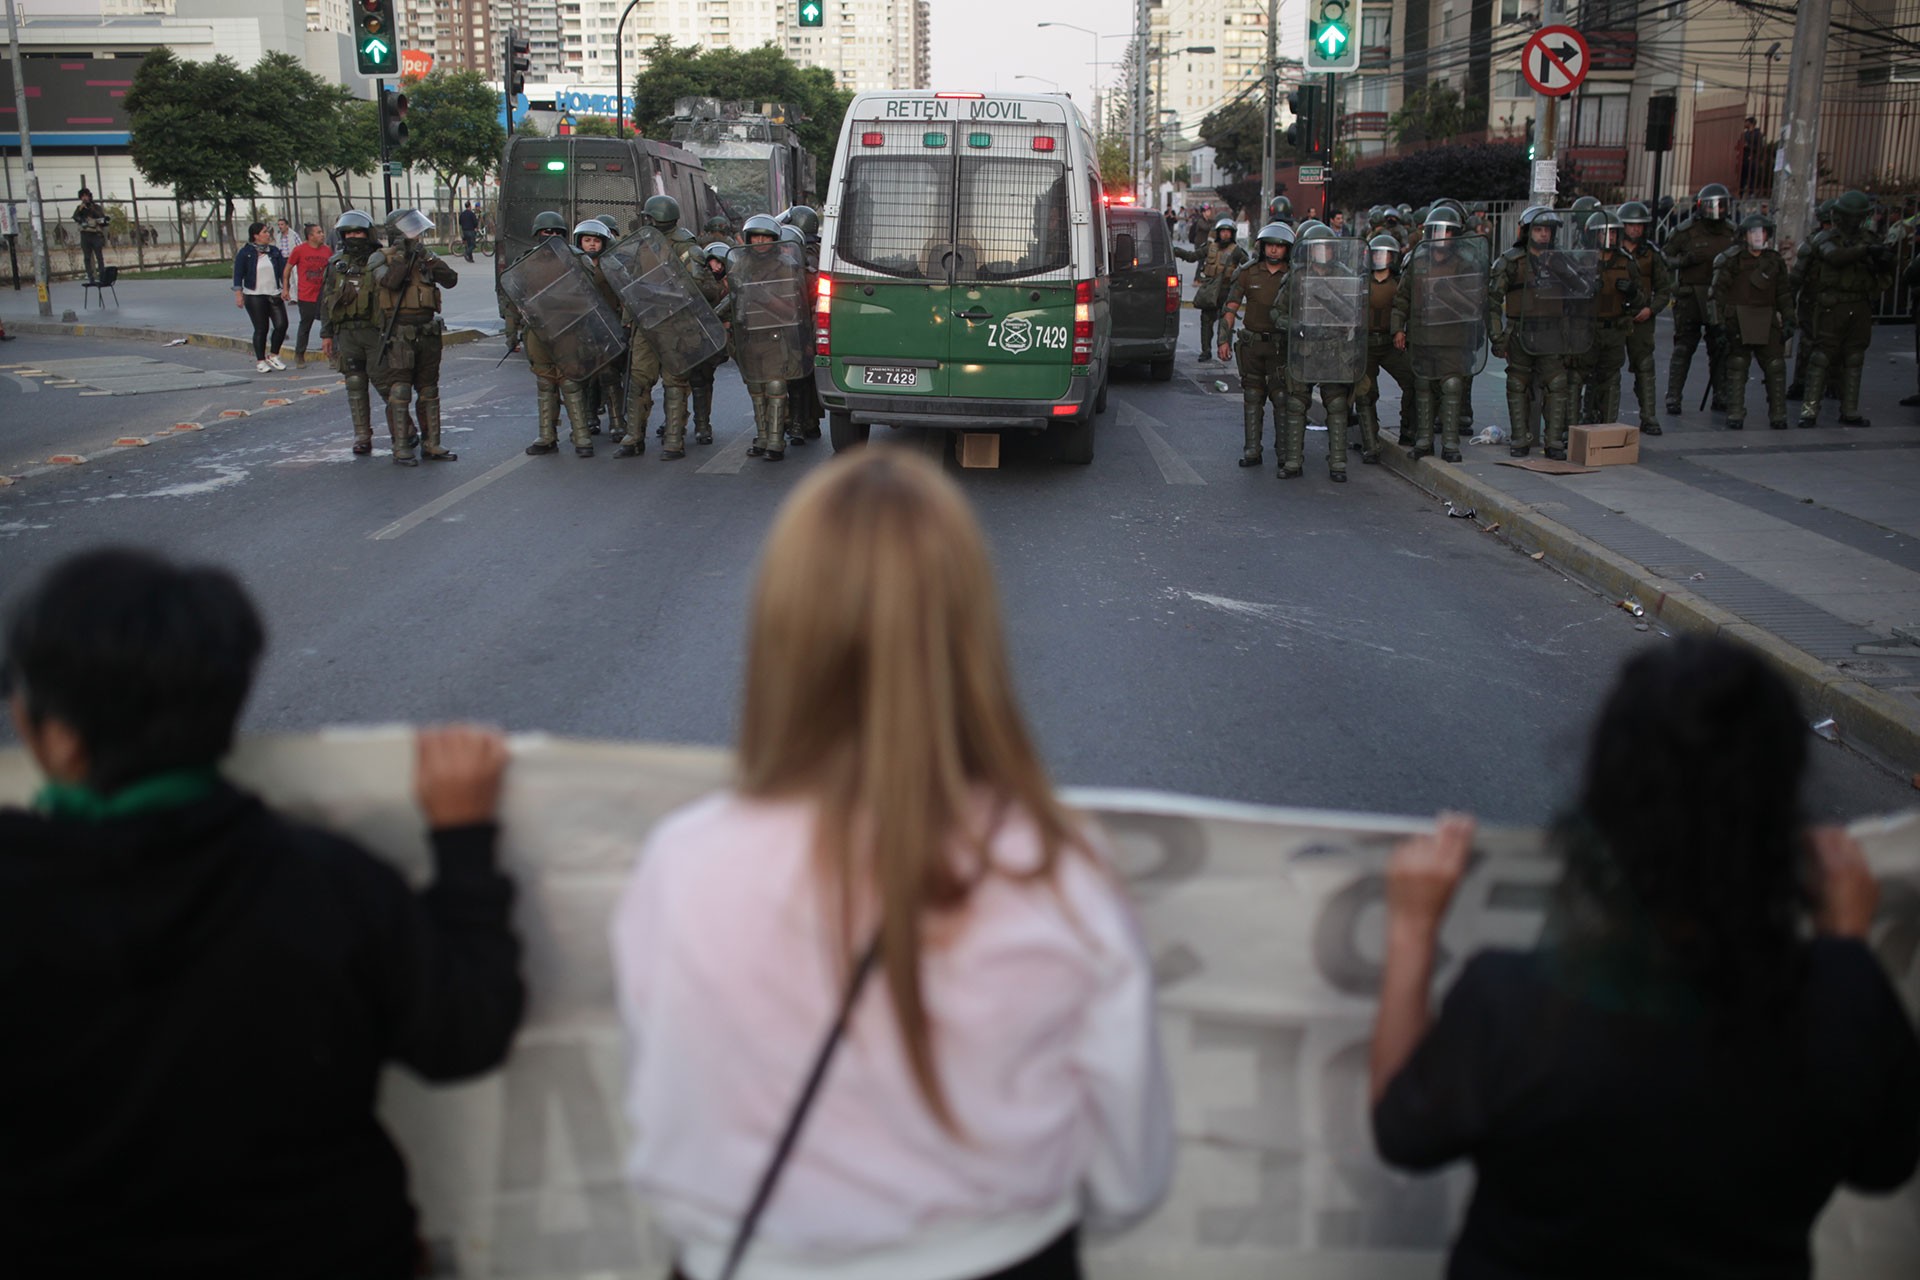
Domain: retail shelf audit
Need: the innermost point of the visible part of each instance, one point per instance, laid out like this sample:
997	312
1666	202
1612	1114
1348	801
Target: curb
221	341
1869	719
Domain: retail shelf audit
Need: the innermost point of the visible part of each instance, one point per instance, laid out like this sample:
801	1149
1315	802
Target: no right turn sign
1554	60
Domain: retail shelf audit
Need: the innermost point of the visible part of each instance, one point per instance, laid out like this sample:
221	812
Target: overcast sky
984	44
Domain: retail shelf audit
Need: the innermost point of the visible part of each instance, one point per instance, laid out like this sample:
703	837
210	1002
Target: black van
1145	293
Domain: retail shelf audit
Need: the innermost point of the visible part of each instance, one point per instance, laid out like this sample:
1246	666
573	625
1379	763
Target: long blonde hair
878	687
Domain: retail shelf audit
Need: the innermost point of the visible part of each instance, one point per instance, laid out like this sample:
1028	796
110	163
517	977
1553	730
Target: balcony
1376	57
1363	124
1612	50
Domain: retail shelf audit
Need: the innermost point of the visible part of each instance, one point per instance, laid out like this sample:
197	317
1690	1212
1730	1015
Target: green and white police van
963	269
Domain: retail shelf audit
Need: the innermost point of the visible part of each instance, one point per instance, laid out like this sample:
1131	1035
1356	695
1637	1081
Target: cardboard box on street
980	448
1604	444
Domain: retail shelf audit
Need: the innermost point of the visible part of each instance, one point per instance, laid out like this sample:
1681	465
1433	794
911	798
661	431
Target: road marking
27	385
445	500
1173	468
730	457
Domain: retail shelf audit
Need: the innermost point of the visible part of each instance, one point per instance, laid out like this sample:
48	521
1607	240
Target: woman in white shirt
1000	1084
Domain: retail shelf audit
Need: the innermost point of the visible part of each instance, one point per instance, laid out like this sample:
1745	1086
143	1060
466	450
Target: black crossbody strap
743	1234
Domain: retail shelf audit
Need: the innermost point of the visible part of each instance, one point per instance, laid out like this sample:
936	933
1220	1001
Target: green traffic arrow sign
1330	40
376	50
810	11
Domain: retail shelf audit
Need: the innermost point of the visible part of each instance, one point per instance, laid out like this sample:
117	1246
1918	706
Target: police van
963	269
585	177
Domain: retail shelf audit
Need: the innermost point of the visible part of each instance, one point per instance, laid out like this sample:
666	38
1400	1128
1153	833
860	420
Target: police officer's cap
1275	233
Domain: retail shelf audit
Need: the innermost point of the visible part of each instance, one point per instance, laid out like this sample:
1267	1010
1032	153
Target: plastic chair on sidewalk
100	287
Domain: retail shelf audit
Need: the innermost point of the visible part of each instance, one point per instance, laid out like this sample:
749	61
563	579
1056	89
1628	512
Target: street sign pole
42	269
386	178
1797	174
1266	138
1547	117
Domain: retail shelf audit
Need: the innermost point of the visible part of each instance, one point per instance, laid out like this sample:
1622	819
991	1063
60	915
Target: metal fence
148	231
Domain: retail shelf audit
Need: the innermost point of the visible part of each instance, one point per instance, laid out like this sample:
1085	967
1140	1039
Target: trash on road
1219	386
1827	729
178	342
1634	607
1539	555
1696	577
1461	513
1492	433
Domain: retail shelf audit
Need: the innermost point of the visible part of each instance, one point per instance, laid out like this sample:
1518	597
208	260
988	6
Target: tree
1235	132
1491	171
297	113
601	127
1116	170
352	145
453	126
1431	112
753	75
192	127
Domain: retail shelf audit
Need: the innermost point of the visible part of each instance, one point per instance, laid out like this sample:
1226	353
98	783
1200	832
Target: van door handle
974	313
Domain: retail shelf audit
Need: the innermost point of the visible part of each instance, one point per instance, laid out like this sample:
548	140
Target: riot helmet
1420	215
1459	210
1443	222
1757	230
1300	232
1850	210
1275	233
1825	213
1538	227
1603	231
1279	209
356	231
1226	225
1390	216
548	223
717	225
1713	202
680	235
662	211
409	224
1382	252
804	217
1584	207
1634	214
716	256
793	235
1319	239
760	224
595	228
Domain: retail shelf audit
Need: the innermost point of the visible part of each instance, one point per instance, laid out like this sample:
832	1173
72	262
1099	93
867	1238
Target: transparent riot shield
769	284
560	302
646	271
1557	310
1447	321
1327	311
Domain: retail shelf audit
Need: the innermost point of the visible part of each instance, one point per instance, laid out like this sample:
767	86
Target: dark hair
308	228
254	229
148	662
1689	828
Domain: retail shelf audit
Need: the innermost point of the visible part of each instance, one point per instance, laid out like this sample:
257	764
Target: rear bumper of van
948	413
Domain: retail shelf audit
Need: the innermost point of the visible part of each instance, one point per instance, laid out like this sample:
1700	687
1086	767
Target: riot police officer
804	409
1323	299
546	374
591	238
1440	322
1539	312
1753	304
716	231
1280	209
1656	291
772	353
409	277
1617	300
1691	252
662	213
1383	284
1263	343
1805	277
349	326
1219	258
1854	268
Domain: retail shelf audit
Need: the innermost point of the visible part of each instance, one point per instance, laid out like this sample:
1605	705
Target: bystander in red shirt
308	266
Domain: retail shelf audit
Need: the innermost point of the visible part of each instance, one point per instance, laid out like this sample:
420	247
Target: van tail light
873	139
1083	322
823	316
1173	295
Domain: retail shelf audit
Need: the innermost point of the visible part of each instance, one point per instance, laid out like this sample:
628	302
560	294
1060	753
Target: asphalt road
1177	622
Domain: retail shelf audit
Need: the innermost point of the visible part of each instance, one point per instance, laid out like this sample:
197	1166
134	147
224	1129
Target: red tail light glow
1083	322
823	316
1043	144
873	139
1173	294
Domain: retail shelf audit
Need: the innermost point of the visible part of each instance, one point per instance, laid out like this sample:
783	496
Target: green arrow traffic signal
1331	40
811	13
376	50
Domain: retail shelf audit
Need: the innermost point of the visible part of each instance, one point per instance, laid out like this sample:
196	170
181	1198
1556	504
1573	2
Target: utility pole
1266	137
42	269
1546	118
1796	177
1141	34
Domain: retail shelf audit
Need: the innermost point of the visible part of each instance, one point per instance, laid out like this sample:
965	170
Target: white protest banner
1265	926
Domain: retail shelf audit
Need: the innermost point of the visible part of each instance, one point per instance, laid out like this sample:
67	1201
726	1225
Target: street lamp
1098	36
1042	80
619	89
1156	143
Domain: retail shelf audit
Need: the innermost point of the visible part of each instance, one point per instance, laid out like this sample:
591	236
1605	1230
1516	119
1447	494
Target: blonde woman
999	1084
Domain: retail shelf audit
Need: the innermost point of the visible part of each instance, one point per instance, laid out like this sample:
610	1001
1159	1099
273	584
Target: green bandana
81	803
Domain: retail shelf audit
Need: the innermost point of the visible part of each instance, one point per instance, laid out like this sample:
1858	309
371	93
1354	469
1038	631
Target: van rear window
896	213
1014	216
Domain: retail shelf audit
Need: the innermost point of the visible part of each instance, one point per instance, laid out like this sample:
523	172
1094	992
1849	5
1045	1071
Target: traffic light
393	121
1304	102
519	61
1333	28
1660	111
1529	137
376	42
813	13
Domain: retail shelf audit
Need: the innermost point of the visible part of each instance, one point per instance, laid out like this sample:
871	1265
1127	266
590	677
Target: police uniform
717	231
1218	260
349	319
1511	300
1855	268
1337	397
1383	286
1691	252
1262	349
409	277
1655	279
1617	299
1753	304
540	361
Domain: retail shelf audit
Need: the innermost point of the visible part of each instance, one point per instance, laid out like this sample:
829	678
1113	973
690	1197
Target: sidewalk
202	311
1802	543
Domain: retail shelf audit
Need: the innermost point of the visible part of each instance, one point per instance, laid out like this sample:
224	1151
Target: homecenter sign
587	103
414	64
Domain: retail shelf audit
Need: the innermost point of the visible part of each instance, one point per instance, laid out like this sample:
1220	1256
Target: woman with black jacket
262	295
